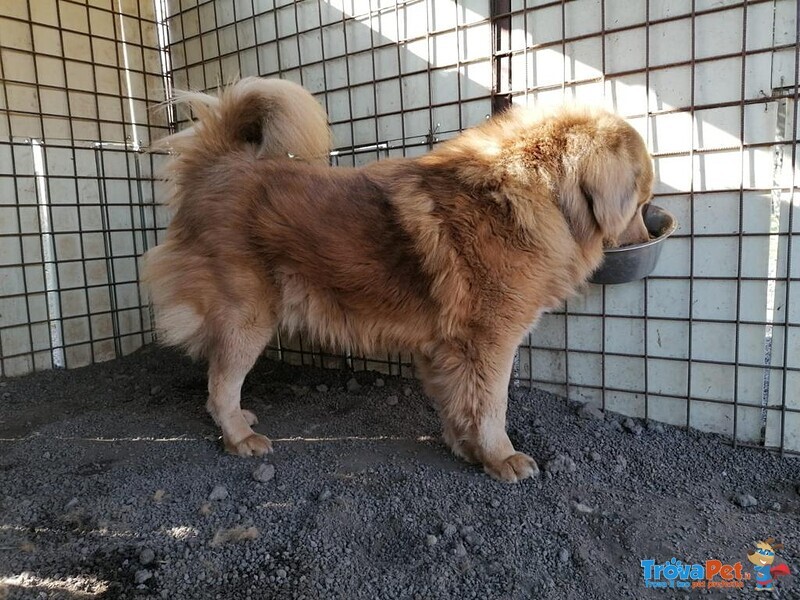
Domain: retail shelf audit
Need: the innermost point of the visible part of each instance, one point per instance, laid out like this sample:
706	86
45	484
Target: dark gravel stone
589	411
142	576
264	472
220	492
745	500
582	508
562	463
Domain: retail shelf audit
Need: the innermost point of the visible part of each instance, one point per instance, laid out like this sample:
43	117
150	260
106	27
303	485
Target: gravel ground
113	485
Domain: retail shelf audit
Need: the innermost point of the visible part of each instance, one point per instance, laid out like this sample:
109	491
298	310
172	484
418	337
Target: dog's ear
607	181
601	188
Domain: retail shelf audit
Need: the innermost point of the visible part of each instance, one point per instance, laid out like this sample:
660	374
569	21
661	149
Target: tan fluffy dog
453	255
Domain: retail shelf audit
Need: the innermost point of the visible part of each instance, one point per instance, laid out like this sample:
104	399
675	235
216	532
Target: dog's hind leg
470	387
231	357
453	432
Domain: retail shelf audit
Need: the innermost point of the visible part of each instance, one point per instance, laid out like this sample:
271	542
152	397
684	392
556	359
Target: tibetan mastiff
453	255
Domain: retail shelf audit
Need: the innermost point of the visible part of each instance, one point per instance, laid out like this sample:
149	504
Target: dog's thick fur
452	256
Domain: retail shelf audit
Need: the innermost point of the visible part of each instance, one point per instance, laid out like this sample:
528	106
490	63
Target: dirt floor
113	485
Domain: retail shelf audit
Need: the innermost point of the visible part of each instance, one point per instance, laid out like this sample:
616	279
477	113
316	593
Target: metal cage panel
76	194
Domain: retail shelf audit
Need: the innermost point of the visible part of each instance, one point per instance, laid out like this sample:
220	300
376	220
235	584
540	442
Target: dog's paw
461	448
250	417
515	468
253	445
465	452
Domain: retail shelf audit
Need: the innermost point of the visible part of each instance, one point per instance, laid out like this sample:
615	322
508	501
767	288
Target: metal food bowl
637	261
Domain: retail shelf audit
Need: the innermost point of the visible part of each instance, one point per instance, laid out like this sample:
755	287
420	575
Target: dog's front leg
495	449
471	391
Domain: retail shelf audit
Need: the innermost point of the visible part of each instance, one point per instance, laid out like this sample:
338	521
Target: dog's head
607	179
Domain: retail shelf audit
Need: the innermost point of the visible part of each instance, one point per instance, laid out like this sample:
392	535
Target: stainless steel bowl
637	261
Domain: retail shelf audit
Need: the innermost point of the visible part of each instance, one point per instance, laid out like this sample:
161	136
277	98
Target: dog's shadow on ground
365	418
372	422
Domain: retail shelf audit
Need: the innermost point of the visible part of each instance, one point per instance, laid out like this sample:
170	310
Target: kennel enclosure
711	340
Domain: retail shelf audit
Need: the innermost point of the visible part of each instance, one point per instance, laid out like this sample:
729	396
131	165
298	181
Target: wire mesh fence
710	340
76	193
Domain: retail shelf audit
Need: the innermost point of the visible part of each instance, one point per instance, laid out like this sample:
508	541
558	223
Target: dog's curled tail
277	117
